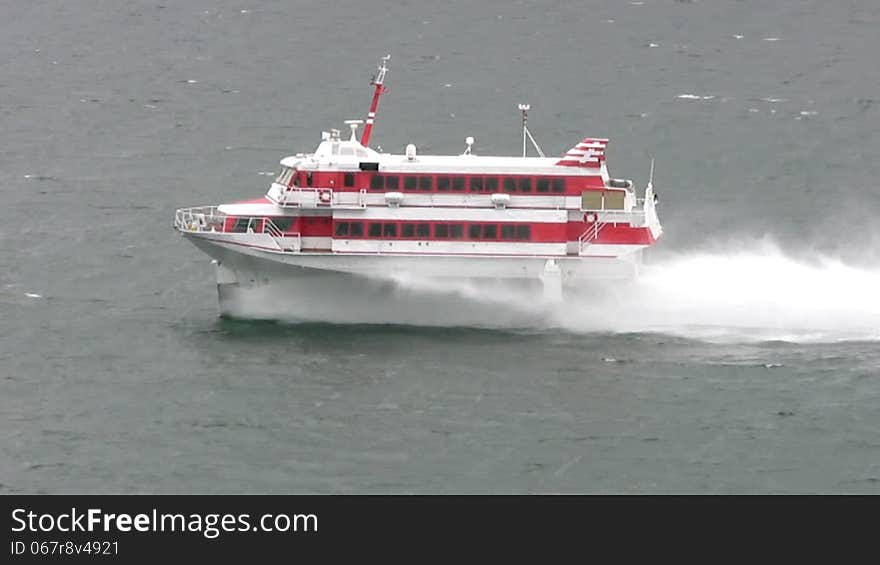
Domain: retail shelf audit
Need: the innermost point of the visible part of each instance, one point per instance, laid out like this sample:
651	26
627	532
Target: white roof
348	154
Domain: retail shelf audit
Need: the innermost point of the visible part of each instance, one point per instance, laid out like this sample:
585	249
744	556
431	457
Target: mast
378	81
524	108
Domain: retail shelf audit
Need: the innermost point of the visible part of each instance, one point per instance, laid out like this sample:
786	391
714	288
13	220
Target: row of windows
241	225
490	184
386	230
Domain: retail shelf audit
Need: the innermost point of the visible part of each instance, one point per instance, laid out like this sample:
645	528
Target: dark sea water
746	360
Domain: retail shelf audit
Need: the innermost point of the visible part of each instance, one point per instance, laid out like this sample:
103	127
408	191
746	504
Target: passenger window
543	185
409	183
509	184
390	230
342	228
474	231
456	231
441	230
559	185
348	180
424	230
490	231
377	182
241	225
523	232
443	183
476	184
525	184
308	179
425	183
392	182
283	223
491	184
458	184
357	229
408	230
375	229
508	231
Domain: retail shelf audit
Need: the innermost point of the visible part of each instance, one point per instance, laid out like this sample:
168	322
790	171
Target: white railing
590	235
298	197
287	242
199	219
207	219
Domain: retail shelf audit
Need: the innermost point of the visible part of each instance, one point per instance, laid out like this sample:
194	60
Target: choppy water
747	359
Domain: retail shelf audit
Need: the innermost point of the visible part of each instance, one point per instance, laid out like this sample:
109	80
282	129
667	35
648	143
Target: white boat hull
402	289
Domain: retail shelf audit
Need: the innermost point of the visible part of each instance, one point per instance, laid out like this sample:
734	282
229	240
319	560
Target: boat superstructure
347	217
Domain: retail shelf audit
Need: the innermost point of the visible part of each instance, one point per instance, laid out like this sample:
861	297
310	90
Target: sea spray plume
753	292
739	292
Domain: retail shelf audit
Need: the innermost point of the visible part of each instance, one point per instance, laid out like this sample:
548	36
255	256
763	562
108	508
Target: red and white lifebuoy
325	196
590	218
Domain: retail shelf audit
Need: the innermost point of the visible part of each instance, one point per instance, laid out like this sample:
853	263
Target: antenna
524	108
379	77
650	195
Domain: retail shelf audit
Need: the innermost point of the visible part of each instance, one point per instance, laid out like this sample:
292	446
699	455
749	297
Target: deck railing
202	218
210	219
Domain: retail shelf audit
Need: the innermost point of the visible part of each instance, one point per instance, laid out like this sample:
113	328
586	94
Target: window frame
542	182
558	185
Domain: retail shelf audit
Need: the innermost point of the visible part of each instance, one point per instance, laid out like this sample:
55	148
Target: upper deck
350	155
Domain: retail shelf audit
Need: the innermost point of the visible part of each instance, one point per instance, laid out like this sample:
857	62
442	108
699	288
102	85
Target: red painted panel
623	235
260	200
316	226
620	234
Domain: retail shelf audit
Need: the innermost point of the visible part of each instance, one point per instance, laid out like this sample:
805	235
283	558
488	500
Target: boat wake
756	293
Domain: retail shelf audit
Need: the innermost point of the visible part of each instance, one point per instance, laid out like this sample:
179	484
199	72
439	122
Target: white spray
754	293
